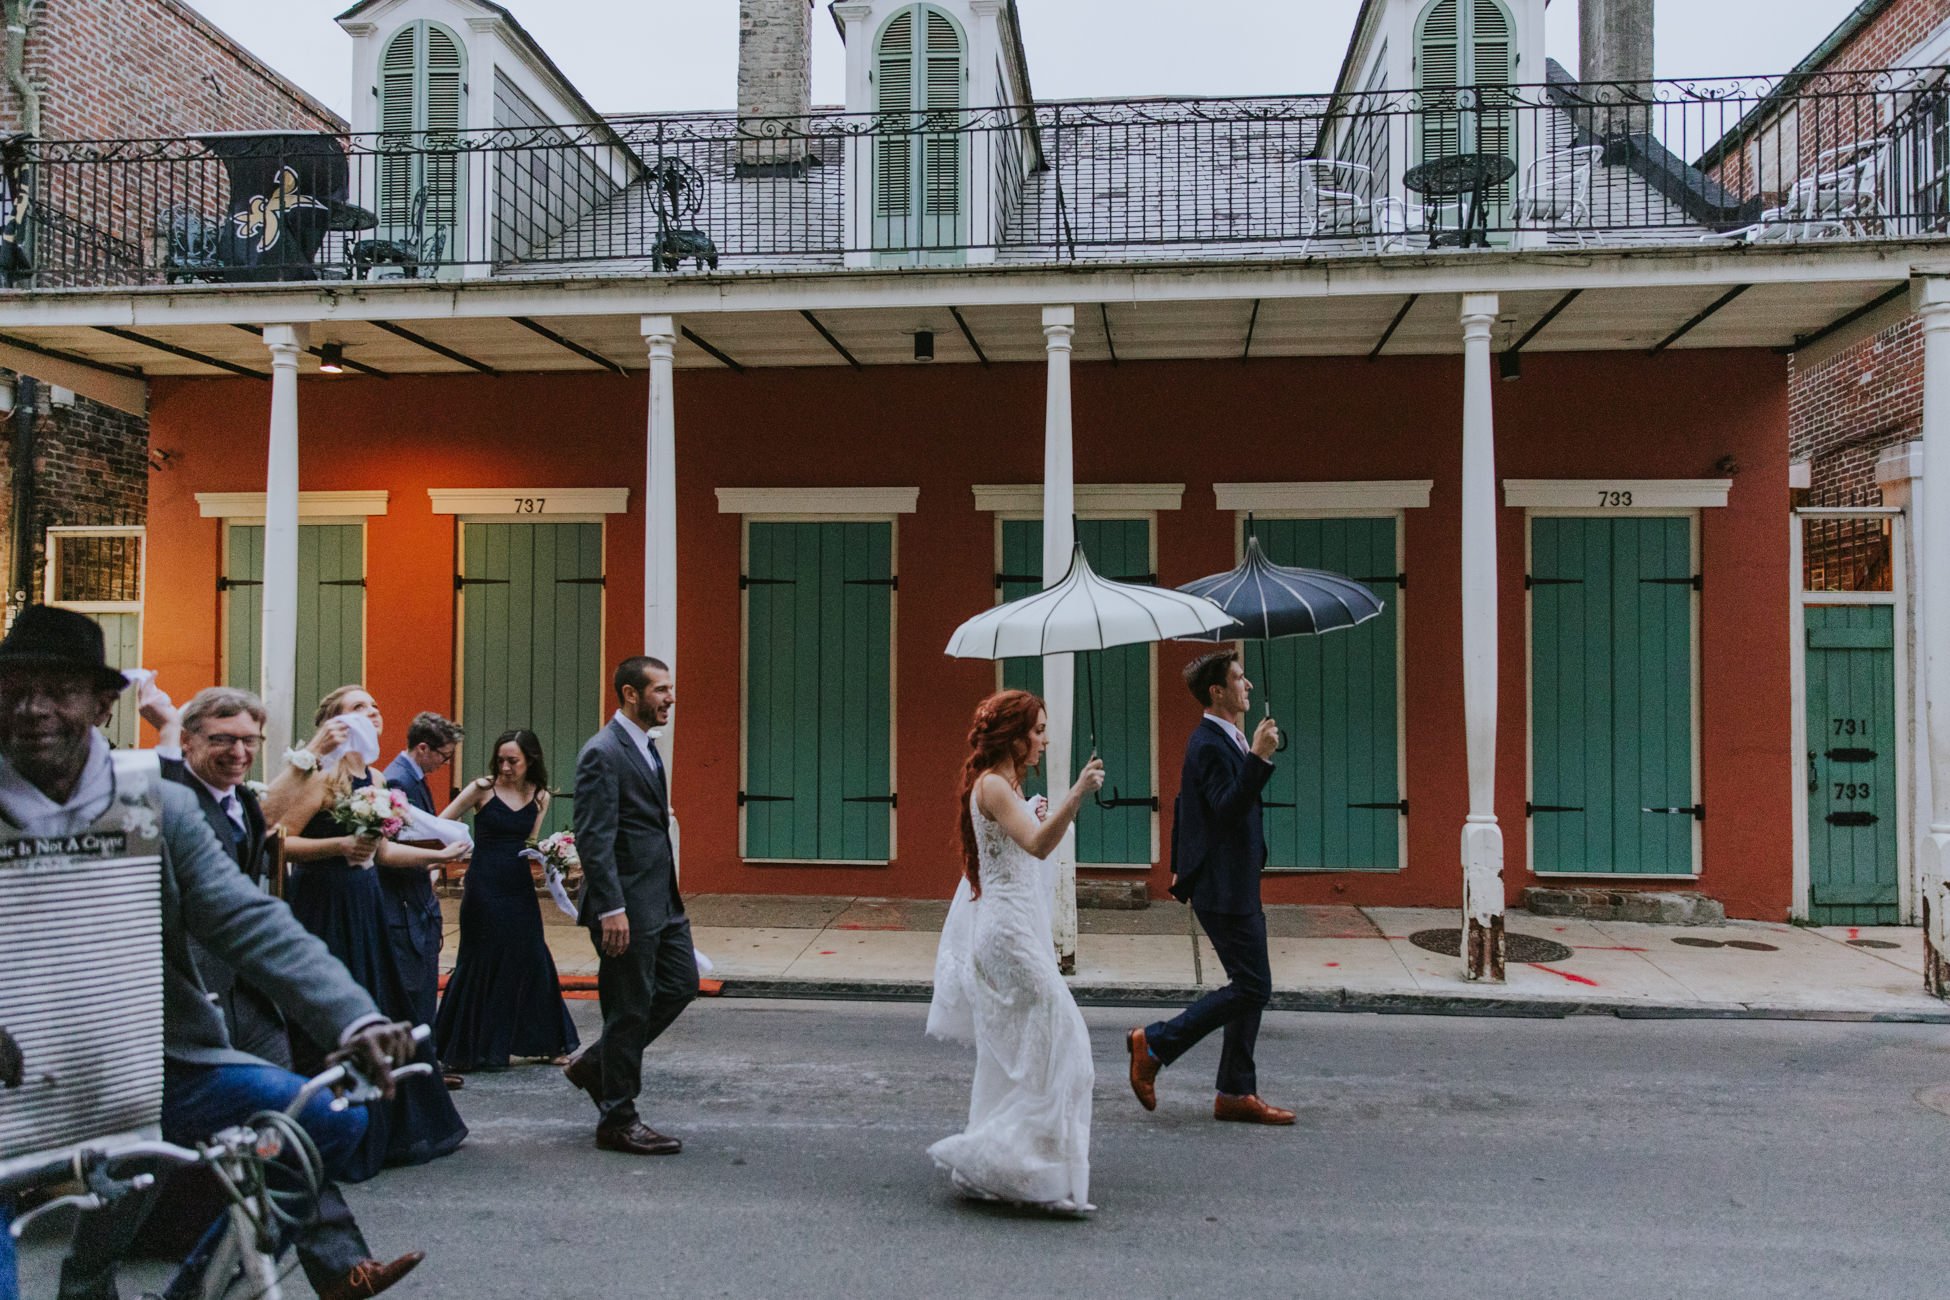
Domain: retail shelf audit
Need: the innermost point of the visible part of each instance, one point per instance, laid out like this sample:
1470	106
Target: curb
1348	1001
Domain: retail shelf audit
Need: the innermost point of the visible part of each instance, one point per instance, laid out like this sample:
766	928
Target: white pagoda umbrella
1082	613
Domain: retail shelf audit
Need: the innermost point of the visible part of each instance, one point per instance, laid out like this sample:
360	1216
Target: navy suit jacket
408	904
405	776
1218	842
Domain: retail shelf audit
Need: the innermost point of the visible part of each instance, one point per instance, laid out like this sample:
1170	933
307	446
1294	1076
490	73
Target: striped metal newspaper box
81	976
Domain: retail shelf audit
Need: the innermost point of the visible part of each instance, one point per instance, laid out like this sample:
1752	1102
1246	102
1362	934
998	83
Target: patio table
1452	177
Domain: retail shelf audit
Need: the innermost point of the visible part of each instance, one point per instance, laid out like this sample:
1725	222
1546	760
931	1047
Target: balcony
1812	160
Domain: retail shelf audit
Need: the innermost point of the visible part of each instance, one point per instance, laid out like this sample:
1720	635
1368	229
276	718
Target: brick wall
126	69
1845	409
90	469
135	69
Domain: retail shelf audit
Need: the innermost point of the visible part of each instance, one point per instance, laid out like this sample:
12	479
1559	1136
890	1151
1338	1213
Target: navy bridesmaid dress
340	904
503	999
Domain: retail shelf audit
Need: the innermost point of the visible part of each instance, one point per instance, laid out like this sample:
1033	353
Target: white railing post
1482	839
1059	671
278	656
1932	298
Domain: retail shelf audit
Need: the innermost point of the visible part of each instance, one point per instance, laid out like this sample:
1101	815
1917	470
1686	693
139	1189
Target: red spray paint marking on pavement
1564	974
1331	963
1854	932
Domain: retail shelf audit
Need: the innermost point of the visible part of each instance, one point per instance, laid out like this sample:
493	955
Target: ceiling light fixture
331	359
924	345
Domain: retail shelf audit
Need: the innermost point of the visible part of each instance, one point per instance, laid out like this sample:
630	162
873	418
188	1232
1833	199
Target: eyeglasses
220	741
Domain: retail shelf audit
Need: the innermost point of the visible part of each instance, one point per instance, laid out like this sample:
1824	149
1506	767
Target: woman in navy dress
334	893
503	1000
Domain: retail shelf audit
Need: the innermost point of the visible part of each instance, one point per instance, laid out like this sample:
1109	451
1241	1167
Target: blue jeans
198	1100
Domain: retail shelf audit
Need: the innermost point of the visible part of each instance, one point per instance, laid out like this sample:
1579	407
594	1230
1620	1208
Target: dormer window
1466	46
422	93
921	149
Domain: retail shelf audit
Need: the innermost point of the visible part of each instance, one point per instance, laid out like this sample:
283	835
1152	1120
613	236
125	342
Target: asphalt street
1433	1156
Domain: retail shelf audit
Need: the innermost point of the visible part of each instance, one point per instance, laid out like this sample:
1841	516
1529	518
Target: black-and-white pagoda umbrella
1083	613
1271	600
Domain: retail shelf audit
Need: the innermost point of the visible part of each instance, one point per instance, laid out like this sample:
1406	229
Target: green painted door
1335	800
1120	549
1611	696
531	618
122	635
1852	824
819	609
331	612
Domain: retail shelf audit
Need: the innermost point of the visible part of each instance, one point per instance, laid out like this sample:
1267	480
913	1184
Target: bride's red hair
1003	725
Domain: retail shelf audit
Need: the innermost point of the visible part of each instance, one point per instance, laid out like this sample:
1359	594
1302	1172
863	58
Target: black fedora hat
42	635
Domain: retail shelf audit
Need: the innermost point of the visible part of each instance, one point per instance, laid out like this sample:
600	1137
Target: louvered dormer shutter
1466	44
920	150
422	108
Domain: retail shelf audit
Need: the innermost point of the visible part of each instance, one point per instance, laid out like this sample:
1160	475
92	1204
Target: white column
1059	671
1933	591
1482	839
1899	473
660	511
278	656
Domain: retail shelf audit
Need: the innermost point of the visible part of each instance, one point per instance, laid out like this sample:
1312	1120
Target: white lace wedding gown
996	983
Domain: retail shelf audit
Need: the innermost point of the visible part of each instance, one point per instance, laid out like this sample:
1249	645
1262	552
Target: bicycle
269	1170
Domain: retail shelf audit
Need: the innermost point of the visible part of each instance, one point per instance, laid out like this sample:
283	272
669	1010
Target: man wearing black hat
57	778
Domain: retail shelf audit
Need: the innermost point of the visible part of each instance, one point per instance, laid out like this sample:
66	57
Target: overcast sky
627	55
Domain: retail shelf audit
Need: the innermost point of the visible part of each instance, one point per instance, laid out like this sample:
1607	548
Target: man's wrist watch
302	759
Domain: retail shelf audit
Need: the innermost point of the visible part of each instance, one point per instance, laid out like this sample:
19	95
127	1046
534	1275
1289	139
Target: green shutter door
1121	549
1611	617
1334	801
422	110
331	612
1467	45
532	645
1852	825
122	638
818	698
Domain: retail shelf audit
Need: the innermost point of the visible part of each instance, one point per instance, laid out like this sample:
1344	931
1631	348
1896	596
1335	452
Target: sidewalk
1324	958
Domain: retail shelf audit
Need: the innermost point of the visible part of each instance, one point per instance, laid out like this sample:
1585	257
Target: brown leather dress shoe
1248	1110
637	1139
1144	1069
369	1277
585	1074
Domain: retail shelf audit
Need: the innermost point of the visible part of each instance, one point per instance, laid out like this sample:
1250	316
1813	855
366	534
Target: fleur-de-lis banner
284	188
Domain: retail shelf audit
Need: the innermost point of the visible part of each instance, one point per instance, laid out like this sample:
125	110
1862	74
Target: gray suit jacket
622	827
205	897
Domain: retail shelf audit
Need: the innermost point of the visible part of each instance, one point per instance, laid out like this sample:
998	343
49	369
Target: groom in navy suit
1218	848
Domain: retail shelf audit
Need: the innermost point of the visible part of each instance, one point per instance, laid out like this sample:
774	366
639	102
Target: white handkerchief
139	677
360	738
423	825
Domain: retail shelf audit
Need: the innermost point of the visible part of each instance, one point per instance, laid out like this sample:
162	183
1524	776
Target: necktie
656	759
233	810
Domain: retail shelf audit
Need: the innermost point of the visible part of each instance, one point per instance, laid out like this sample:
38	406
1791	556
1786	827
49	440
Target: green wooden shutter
531	646
122	640
422	110
818	677
1612	696
1852	806
1334	801
331	612
920	151
1438	72
1121	549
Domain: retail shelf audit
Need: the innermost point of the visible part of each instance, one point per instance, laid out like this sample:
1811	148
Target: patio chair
415	252
1841	197
1335	200
186	245
1557	191
1397	223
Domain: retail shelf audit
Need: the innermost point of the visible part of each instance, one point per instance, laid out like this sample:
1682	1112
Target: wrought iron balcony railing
1862	155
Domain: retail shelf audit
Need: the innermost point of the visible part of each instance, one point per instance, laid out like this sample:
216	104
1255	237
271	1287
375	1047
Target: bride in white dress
996	982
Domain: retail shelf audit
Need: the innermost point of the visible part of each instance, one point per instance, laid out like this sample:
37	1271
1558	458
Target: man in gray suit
647	972
57	778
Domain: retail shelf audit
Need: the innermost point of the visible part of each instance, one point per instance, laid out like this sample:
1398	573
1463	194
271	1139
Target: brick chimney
1615	40
774	82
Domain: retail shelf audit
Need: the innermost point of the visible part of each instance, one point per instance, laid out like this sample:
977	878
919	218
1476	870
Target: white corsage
302	759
